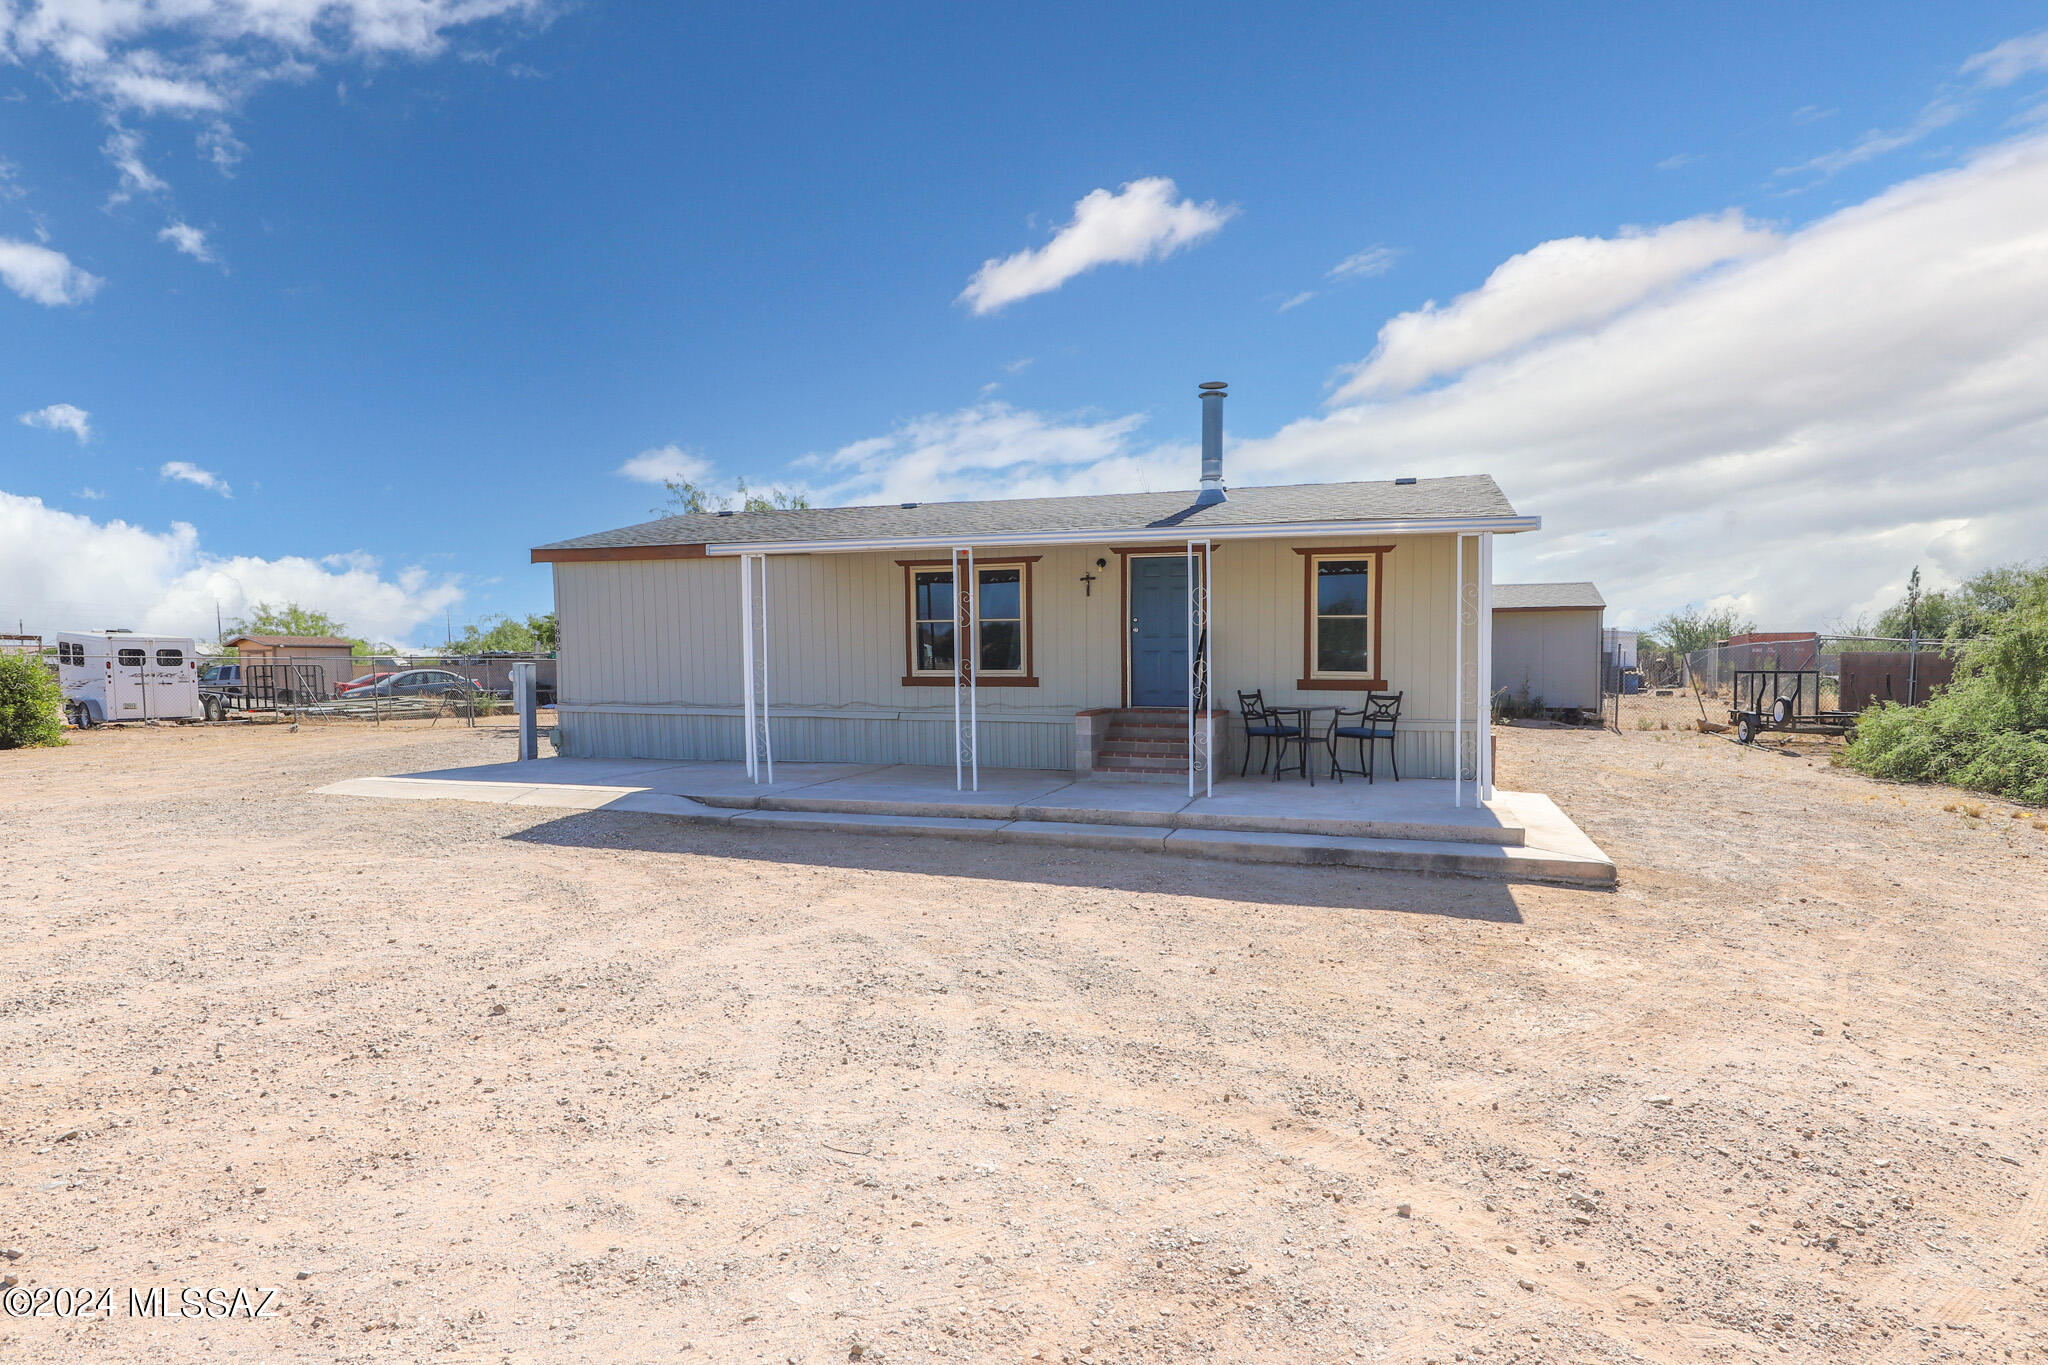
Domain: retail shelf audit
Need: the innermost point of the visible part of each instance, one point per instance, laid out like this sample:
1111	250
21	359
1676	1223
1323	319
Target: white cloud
189	240
1789	433
1141	221
664	464
202	59
994	450
1363	265
1299	299
66	571
1877	142
61	417
123	147
43	275
187	472
89	494
1557	286
201	56
2011	59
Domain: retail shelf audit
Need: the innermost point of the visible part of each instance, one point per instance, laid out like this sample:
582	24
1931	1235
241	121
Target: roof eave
1144	535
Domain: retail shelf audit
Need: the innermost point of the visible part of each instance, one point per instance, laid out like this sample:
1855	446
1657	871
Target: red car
367	680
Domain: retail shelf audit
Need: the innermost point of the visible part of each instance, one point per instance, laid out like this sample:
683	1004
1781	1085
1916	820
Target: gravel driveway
476	1082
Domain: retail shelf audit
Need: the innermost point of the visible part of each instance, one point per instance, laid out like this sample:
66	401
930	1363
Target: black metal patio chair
1376	721
1261	722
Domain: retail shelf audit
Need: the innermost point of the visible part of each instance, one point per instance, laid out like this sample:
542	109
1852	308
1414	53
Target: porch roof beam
1165	536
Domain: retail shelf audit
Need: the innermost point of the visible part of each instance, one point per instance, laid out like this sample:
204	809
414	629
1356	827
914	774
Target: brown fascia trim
612	554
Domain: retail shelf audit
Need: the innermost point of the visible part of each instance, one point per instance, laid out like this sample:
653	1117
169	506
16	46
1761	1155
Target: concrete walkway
1410	826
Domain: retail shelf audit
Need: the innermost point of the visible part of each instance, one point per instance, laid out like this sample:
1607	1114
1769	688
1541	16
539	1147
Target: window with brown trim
1004	603
1342	592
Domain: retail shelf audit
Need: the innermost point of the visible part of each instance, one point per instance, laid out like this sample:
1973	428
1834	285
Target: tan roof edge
605	554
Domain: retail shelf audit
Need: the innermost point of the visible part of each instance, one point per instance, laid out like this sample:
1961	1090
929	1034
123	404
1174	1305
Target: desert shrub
31	705
1987	731
1517	705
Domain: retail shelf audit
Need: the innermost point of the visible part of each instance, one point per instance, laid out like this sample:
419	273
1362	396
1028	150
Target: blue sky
353	303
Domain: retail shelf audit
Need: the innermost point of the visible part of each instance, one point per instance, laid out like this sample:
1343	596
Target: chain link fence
338	688
1839	672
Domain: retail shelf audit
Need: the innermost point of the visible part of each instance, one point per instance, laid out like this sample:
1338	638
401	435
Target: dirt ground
479	1082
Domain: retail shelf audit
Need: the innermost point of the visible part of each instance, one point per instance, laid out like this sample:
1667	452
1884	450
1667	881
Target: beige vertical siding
1553	654
650	653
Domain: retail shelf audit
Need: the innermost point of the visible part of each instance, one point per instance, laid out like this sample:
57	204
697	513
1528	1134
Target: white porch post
754	666
966	640
747	661
1201	729
1458	672
1483	764
1209	670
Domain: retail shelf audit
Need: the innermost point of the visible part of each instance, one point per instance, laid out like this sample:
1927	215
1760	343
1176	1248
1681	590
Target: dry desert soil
483	1082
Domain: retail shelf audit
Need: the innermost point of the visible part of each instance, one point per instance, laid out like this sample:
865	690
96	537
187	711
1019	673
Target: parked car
368	680
225	679
420	682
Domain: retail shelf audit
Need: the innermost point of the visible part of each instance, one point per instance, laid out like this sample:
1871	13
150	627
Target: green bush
31	706
1987	731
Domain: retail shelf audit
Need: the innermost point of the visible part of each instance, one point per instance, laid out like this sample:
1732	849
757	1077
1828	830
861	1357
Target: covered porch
1198	624
1409	826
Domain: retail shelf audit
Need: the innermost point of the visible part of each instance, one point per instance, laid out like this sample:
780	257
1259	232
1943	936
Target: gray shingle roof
1104	514
1531	596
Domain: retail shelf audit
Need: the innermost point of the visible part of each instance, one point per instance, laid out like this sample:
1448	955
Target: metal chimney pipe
1211	489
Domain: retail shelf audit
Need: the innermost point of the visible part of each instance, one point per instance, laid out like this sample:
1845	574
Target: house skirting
1009	739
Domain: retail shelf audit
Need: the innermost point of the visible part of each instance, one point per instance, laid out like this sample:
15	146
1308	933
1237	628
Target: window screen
932	612
1002	620
1343	616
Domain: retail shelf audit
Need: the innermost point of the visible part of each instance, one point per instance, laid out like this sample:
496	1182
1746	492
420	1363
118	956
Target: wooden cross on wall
1088	585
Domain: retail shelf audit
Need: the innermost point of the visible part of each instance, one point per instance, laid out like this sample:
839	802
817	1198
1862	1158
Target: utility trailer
1785	700
227	687
117	675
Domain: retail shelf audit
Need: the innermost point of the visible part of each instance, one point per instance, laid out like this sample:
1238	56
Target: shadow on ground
1335	888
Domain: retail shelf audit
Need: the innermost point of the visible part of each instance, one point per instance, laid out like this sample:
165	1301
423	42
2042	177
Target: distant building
335	658
1547	640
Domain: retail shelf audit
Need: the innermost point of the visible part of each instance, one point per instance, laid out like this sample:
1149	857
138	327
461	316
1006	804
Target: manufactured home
1109	633
1547	643
114	675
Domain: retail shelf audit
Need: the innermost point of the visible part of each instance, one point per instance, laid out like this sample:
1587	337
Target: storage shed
1547	639
335	658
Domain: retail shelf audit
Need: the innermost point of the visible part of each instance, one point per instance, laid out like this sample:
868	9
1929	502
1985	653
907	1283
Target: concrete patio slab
1148	838
848	822
1407	826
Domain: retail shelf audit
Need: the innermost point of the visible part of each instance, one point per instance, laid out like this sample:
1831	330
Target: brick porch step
1142	763
1141	747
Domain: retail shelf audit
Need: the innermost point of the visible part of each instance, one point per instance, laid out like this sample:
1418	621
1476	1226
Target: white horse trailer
110	675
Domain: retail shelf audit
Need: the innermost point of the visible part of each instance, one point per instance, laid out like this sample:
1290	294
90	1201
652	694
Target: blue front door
1159	630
